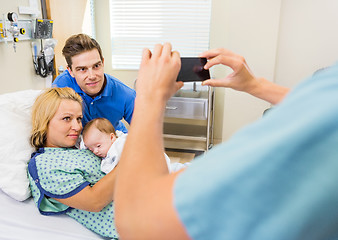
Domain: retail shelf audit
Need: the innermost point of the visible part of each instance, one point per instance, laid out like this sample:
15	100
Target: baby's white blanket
114	154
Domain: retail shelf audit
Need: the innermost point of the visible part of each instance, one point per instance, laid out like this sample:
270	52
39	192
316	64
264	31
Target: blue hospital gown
276	178
62	173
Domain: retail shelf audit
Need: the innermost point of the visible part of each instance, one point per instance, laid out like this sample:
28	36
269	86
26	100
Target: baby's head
98	136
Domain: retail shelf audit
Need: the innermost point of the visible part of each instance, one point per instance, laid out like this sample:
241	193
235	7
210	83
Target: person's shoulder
63	80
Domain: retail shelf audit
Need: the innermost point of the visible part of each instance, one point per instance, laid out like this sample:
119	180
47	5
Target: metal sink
188	104
191	94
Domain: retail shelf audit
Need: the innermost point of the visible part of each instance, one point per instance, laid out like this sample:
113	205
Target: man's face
88	71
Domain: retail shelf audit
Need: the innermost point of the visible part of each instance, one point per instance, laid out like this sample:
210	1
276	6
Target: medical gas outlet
13	30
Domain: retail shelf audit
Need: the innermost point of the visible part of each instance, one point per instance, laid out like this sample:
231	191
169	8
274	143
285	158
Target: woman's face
65	127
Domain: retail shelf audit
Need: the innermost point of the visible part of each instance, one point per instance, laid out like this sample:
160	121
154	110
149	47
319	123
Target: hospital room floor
181	156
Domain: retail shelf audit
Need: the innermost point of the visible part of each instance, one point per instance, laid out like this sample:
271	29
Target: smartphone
192	70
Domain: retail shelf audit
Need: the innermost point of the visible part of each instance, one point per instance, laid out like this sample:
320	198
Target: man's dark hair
77	44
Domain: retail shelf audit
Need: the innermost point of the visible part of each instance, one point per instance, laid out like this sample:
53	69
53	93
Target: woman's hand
240	79
144	186
158	73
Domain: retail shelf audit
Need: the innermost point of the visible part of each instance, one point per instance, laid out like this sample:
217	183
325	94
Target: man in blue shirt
103	95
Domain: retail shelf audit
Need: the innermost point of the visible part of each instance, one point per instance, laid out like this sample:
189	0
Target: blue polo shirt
276	178
116	102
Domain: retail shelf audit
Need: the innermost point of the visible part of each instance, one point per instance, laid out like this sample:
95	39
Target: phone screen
192	70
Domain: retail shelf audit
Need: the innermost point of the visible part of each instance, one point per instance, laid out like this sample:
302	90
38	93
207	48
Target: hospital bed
22	220
19	217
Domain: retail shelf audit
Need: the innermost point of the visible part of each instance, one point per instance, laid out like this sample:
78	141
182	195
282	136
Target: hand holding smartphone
192	70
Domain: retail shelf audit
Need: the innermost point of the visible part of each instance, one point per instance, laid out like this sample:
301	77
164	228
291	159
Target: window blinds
88	25
142	24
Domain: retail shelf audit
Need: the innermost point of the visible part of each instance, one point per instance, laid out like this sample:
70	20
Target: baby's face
98	142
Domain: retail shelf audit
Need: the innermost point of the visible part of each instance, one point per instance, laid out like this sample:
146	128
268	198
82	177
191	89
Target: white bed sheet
22	220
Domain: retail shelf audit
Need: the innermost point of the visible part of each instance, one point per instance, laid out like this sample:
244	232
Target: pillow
15	149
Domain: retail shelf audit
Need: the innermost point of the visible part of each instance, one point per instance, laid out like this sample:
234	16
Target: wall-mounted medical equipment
11	29
43	28
43	57
44	60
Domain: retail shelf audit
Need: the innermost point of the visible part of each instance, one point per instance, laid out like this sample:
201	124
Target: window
137	24
88	25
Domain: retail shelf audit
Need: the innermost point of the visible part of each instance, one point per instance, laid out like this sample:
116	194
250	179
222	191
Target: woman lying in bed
62	178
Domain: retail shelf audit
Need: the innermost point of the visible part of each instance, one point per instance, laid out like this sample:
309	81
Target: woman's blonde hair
44	109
